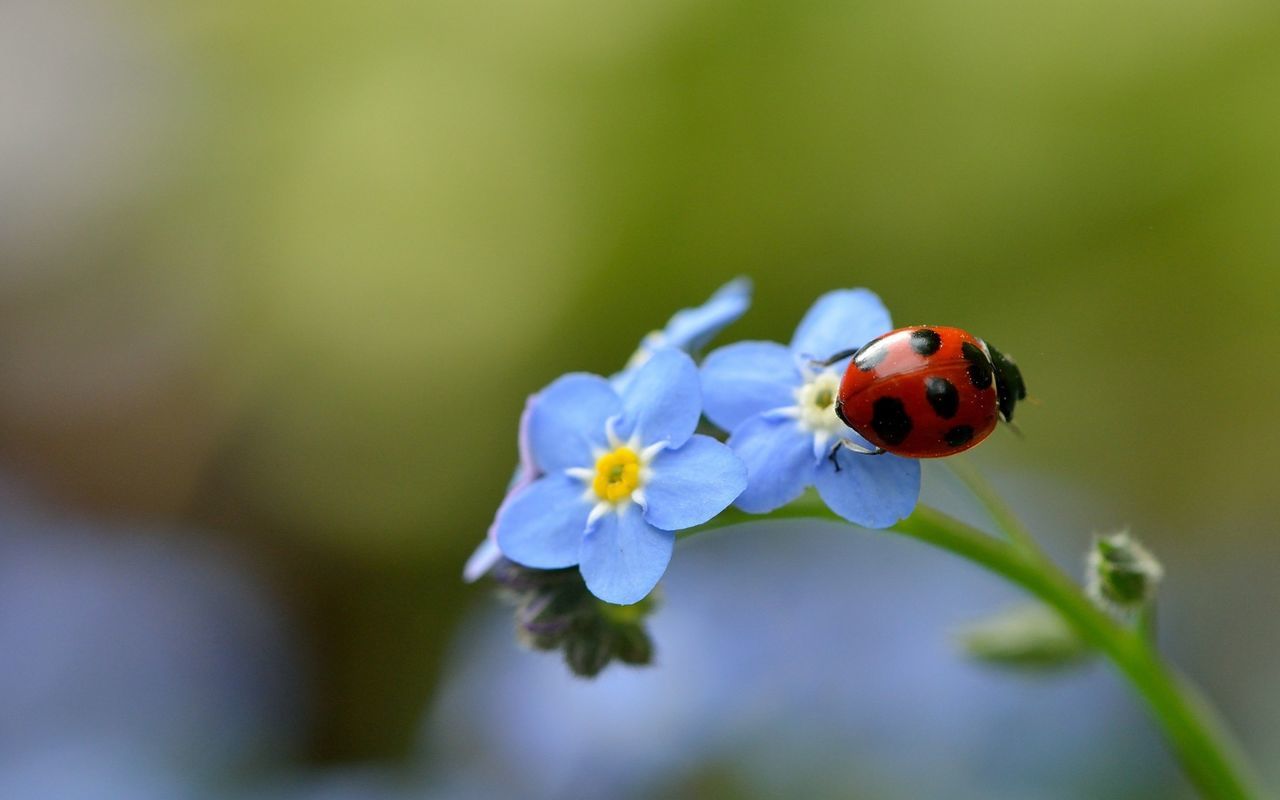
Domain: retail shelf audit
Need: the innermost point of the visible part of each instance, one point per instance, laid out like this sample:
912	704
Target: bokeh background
275	278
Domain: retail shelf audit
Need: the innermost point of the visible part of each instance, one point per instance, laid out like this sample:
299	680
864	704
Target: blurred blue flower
135	664
152	642
688	330
780	412
828	678
348	782
691	329
623	473
94	770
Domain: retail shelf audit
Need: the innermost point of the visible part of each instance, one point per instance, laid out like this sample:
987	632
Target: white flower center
816	404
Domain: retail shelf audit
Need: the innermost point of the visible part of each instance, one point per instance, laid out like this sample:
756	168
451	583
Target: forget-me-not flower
691	329
780	410
688	330
622	472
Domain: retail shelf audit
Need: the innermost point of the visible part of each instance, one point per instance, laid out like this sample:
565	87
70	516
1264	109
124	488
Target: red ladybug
927	392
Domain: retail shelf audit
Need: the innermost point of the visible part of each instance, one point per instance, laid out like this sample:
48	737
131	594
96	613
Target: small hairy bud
554	610
1122	574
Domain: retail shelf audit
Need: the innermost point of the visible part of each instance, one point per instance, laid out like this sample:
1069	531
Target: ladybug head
1009	385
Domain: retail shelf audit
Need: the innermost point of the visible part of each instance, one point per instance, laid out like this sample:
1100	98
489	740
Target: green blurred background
286	271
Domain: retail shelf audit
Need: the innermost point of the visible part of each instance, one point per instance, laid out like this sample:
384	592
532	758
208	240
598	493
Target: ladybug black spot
925	341
979	365
942	395
958	435
890	421
870	355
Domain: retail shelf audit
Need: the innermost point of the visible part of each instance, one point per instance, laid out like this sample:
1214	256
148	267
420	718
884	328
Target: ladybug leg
848	445
862	451
841	356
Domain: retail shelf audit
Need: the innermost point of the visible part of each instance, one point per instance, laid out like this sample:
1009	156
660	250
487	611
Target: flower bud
633	645
1122	574
589	650
555	611
1031	636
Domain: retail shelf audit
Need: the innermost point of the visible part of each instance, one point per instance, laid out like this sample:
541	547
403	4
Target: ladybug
927	391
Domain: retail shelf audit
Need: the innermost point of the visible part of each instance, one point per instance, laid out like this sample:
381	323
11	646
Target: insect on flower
778	405
926	392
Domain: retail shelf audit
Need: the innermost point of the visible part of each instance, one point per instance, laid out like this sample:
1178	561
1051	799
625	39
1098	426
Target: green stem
1202	745
1205	750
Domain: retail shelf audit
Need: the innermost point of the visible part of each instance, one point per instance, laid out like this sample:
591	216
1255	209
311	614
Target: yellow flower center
617	475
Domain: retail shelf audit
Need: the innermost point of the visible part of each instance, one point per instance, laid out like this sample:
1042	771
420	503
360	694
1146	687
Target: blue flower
689	330
623	472
780	411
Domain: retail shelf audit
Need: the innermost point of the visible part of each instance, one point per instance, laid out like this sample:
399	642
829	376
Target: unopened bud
556	611
588	650
1031	636
1122	574
633	645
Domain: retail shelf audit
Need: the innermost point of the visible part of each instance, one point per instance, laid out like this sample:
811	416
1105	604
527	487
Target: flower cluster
612	468
688	330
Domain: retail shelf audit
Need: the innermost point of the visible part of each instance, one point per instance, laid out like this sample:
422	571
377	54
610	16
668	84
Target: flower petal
690	329
779	459
871	491
568	419
481	561
691	485
543	525
624	557
663	400
840	320
745	379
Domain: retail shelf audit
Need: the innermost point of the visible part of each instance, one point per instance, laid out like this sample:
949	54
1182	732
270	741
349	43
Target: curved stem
1204	748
